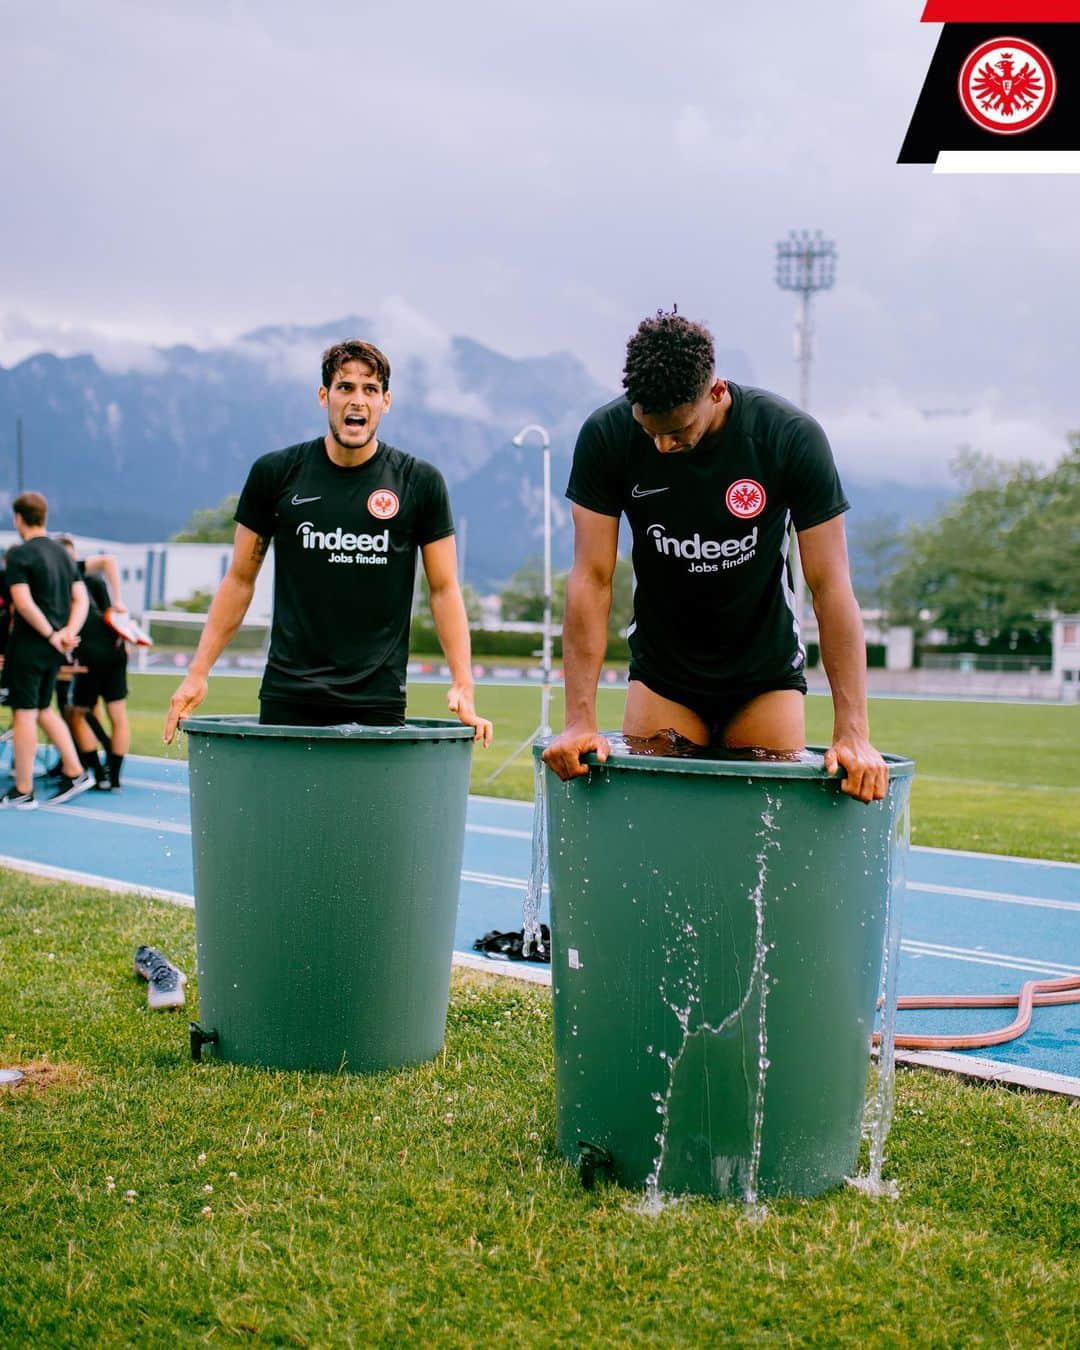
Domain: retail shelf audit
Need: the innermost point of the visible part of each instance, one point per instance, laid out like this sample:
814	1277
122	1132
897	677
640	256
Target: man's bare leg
24	741
119	726
772	721
54	726
646	713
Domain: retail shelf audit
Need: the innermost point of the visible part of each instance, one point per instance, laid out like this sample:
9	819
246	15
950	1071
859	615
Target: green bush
498	642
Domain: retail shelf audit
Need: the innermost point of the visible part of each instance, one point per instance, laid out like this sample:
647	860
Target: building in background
162	576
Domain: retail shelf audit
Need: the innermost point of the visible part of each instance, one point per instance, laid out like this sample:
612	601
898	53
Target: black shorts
30	682
106	677
717	710
285	712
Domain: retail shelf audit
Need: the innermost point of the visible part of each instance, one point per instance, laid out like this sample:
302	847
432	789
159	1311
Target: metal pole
545	695
805	264
544	729
803	345
806	353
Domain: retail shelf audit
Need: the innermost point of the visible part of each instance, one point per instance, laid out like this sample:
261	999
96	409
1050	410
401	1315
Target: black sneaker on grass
71	787
166	983
21	801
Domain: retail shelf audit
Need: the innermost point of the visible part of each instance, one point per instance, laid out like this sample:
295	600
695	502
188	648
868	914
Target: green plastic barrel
717	932
327	870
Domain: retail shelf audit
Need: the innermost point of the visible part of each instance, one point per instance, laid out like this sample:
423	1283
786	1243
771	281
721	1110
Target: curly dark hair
354	350
669	362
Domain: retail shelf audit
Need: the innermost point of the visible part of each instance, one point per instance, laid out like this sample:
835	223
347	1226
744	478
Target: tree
877	550
474	611
213	525
523	599
196	603
996	564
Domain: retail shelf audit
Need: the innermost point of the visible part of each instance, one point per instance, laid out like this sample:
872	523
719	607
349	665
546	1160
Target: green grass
992	777
429	1206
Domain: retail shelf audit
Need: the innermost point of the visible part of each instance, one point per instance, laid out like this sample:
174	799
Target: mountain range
129	454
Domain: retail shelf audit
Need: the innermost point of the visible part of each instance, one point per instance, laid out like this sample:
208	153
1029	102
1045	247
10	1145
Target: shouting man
347	515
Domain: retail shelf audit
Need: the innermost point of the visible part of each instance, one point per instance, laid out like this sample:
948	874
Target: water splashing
744	1170
880	1097
530	910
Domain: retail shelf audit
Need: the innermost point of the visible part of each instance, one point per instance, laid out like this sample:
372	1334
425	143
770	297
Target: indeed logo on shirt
728	552
345	547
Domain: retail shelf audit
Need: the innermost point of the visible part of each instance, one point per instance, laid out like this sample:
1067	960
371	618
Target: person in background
104	655
50	604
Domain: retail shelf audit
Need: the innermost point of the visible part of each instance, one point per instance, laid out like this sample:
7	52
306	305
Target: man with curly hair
710	475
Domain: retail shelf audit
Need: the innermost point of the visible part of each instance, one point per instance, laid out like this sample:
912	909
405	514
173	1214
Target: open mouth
355	420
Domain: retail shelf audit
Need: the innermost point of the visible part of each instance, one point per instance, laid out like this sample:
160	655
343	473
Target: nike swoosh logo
647	492
299	501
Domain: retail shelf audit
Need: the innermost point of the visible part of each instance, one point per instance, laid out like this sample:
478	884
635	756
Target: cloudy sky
537	177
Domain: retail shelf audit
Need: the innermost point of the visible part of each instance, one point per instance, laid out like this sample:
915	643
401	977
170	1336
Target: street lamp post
545	653
544	728
805	264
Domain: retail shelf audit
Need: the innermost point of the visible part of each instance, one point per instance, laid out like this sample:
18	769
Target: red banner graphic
1002	11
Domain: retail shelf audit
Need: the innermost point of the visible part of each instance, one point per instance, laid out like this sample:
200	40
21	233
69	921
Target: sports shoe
71	787
21	801
166	987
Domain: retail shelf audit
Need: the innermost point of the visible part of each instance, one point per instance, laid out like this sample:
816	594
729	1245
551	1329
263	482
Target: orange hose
1033	994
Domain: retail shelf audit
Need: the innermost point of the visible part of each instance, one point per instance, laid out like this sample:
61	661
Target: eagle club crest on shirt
1007	85
383	504
745	498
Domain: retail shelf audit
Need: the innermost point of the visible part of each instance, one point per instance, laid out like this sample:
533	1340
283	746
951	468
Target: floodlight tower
805	264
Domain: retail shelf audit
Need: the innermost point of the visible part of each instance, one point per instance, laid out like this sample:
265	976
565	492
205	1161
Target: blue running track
974	923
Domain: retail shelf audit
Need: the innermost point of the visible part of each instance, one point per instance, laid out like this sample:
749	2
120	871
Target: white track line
173	827
101	883
973	956
994	857
119	818
991	1071
156	785
1001	897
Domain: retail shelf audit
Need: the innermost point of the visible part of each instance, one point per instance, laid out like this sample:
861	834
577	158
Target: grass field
992	777
148	1201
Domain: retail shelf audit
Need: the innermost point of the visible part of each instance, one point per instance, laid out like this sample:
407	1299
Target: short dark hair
354	350
669	362
33	508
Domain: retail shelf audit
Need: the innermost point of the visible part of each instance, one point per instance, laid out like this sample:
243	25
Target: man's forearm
111	569
843	654
227	611
80	608
452	629
588	603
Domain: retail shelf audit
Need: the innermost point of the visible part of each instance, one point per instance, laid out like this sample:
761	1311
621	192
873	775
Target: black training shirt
97	640
345	545
713	605
46	567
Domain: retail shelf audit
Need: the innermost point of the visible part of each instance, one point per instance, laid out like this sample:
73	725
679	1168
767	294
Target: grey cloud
535	177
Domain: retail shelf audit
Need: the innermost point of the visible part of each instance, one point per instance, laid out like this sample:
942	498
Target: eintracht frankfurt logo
745	498
383	504
1007	85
